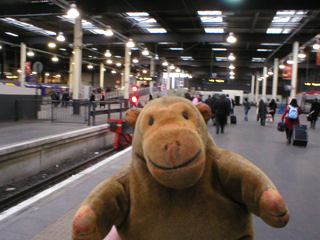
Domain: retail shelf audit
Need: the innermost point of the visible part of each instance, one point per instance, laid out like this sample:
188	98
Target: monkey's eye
185	115
151	120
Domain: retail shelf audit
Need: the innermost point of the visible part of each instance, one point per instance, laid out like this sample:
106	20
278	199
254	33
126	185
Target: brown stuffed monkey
179	184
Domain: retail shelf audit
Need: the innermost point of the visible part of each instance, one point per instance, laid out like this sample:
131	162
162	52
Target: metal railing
70	111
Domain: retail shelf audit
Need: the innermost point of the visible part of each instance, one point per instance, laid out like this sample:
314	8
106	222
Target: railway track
30	191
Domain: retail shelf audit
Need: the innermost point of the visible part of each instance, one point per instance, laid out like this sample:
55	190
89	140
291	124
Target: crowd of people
222	106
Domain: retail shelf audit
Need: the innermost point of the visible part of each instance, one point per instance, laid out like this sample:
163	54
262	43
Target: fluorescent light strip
219	49
176	49
12	34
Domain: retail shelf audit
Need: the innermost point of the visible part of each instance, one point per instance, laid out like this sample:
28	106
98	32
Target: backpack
293	112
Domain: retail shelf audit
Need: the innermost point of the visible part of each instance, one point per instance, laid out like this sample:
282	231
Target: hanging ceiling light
108	32
108	53
61	37
231	38
270	72
316	46
90	66
172	67
156	57
0	46
52	45
113	71
118	64
289	61
145	52
73	12
282	66
231	77
55	59
109	61
144	71
165	63
232	67
232	73
231	57
178	70
30	53
135	60
130	43
301	54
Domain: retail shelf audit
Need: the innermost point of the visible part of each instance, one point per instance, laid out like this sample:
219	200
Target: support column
23	58
102	76
294	76
252	88
257	87
127	62
71	70
275	79
152	67
77	48
168	79
264	83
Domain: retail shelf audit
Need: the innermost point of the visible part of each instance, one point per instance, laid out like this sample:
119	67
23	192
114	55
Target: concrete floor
294	170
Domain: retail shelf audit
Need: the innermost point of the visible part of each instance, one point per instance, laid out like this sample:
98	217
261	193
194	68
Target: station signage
215	80
312	84
145	78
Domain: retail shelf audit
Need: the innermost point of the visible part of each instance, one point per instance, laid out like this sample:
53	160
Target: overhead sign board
215	80
312	84
145	78
37	67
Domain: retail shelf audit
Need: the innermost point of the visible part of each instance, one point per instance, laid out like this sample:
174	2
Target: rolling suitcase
233	119
300	135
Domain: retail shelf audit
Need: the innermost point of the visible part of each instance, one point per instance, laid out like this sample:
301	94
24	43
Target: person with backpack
291	116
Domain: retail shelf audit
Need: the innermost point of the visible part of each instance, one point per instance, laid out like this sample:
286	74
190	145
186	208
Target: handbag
309	116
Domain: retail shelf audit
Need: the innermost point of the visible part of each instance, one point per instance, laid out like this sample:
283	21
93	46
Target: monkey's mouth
176	167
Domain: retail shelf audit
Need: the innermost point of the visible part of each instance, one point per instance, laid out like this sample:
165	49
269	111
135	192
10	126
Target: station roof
192	35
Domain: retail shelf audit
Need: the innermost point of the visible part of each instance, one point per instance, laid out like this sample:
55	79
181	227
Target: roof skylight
28	26
156	30
211	19
85	25
220	59
258	59
209	13
187	58
137	14
284	21
214	30
264	50
176	48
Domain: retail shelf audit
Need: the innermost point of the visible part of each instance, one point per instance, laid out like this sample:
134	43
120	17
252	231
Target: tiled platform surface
294	170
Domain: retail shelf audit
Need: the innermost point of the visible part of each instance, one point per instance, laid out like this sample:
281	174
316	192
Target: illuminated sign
312	84
142	78
216	80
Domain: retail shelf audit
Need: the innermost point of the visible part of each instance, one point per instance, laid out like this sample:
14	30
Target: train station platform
293	169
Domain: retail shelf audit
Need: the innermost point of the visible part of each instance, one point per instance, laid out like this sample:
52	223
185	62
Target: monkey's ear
205	111
132	116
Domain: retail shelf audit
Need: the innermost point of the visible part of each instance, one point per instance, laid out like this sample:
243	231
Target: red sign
287	72
318	58
27	66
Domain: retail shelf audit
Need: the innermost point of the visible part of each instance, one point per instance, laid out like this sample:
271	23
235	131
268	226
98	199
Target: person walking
272	108
210	101
262	112
291	117
315	107
247	107
221	110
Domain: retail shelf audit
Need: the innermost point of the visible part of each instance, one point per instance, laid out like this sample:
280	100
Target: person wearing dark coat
65	99
188	95
272	108
262	111
315	107
289	122
221	110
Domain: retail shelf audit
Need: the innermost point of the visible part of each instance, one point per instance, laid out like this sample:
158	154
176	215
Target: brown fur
179	184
